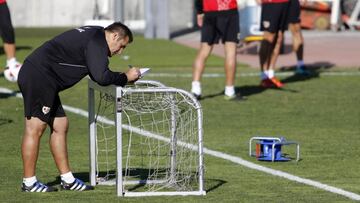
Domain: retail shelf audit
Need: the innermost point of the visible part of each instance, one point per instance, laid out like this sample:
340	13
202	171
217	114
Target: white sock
270	73
263	75
229	90
11	62
67	177
300	64
29	181
196	87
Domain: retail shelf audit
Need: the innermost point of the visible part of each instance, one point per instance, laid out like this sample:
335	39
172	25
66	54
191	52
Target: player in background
273	24
297	37
218	20
8	37
55	66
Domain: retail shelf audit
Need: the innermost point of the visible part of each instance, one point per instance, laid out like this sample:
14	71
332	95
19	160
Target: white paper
143	71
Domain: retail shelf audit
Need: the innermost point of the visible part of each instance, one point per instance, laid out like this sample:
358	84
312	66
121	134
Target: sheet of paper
143	71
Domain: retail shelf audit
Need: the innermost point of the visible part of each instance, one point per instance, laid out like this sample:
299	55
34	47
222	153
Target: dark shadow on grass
84	176
313	69
18	48
213	184
252	48
247	91
4	121
209	96
142	174
292	158
7	95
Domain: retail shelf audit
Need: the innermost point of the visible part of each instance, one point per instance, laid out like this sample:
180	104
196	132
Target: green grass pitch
321	112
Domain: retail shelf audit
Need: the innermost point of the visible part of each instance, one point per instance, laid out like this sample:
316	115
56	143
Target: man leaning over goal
55	66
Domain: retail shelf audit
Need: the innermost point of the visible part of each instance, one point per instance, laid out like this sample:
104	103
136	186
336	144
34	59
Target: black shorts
6	28
274	17
41	99
224	26
294	11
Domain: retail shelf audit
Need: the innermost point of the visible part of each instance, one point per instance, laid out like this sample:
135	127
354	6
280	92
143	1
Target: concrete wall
45	13
42	13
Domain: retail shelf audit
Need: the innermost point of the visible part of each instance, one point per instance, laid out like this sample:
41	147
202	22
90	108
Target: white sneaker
12	73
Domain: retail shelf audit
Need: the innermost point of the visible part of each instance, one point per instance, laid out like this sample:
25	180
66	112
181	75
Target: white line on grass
218	75
218	154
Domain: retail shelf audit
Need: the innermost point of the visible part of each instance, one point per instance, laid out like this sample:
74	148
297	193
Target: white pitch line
252	74
214	153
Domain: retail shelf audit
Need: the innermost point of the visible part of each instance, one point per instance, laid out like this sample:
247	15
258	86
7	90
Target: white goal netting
149	137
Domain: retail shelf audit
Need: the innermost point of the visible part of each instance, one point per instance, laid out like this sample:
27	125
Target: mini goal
146	139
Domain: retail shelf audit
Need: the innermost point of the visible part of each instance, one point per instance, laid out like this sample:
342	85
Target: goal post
146	139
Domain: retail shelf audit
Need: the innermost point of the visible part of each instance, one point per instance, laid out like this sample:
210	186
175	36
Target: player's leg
230	68
58	145
297	37
34	128
200	60
8	36
208	38
298	40
59	125
32	87
228	26
9	50
269	26
266	48
298	47
265	54
198	68
276	50
273	21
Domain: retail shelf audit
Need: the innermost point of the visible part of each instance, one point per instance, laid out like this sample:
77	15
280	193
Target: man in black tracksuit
55	66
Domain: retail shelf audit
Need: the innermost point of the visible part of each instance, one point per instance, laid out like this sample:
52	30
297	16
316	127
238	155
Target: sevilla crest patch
45	109
266	24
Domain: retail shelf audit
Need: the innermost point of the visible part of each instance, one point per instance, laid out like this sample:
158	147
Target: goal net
146	139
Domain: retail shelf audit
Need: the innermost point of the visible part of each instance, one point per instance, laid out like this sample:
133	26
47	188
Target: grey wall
45	13
40	13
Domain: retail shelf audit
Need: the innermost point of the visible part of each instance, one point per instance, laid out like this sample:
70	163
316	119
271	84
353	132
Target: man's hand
200	19
133	74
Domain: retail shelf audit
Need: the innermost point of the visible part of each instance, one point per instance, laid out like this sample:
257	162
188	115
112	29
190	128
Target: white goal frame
117	93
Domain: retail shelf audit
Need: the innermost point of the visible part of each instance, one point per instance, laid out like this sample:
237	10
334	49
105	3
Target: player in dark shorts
8	38
293	20
273	24
55	66
219	21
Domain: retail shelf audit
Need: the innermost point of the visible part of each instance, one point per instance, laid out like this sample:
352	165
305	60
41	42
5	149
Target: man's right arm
97	63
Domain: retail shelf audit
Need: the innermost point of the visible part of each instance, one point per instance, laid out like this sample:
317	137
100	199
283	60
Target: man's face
117	44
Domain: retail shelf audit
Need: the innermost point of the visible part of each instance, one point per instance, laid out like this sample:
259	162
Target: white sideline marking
218	154
218	75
